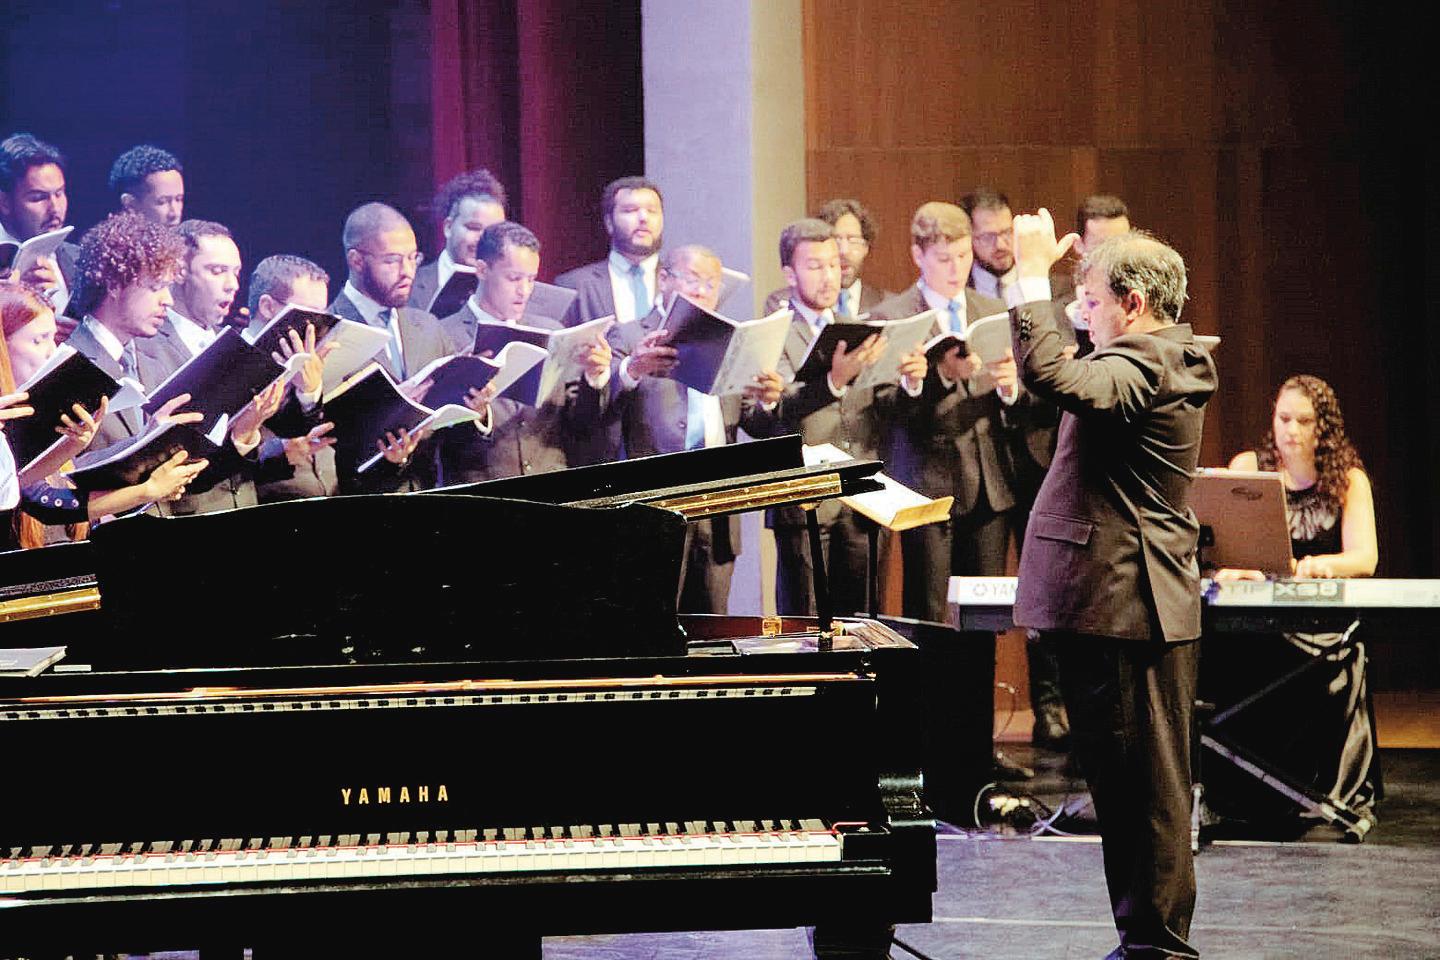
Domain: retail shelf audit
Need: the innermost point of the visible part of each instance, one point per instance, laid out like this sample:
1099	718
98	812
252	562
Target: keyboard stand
1354	824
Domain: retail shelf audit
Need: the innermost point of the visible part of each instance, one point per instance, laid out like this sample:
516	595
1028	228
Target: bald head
692	270
380	253
367	220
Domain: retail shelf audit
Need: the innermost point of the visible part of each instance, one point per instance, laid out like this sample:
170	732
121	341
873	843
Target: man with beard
624	283
661	415
827	410
381	256
151	182
33	201
514	438
465	206
990	218
854	236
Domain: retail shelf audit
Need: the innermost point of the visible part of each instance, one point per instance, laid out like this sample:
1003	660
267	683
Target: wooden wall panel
1273	144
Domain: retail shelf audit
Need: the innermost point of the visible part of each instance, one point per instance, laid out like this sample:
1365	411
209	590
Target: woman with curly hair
1328	499
1316	727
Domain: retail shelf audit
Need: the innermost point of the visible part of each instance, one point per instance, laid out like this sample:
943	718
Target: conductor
1108	574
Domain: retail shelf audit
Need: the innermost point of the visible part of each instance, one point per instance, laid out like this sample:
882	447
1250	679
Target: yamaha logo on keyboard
363	796
1309	591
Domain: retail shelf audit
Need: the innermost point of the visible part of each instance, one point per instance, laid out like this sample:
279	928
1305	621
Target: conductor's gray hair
1137	262
366	220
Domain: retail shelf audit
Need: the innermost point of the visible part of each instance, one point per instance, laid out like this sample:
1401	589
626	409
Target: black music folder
67	378
370	405
720	356
451	298
221	379
131	461
269	337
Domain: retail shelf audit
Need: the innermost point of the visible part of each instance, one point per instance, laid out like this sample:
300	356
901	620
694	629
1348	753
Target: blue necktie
639	291
844	305
955	325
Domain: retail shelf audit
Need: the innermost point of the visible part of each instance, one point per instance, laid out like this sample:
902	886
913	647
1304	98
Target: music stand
1242	520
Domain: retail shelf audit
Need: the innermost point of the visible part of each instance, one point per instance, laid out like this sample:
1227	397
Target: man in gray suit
659	415
827	410
514	438
464	207
1109	574
381	256
947	437
855	231
622	285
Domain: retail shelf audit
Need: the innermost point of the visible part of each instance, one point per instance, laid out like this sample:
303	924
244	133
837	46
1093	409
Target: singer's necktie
956	326
844	306
397	356
639	290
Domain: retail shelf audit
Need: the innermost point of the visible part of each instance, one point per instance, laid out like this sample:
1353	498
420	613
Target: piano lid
394	578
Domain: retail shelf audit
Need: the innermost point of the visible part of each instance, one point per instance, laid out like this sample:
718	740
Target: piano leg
823	610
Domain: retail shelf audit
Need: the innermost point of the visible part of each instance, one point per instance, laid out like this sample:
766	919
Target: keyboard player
1318	725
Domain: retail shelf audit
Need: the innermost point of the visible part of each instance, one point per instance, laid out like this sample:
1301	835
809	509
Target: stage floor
1018	898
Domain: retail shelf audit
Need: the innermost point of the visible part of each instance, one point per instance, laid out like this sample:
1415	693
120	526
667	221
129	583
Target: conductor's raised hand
651	357
1036	248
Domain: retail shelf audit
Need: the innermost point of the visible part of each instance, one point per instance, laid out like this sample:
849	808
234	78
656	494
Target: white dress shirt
370	312
195	337
620	284
992	286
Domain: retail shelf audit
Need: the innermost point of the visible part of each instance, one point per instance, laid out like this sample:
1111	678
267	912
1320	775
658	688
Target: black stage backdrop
288	115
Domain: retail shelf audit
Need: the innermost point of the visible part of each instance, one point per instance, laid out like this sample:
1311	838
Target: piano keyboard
421	854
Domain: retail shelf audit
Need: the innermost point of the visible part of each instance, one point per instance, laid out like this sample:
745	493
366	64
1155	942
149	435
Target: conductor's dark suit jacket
1110	549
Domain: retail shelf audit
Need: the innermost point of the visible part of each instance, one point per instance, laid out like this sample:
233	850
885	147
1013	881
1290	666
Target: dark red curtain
547	95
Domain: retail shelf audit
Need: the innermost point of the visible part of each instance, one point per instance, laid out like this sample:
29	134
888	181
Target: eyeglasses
394	259
691	281
859	243
992	238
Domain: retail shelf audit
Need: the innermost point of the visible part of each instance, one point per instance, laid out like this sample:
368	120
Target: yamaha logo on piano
1309	591
363	796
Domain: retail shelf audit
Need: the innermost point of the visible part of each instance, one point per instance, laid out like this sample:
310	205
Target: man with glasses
854	234
990	219
381	257
659	415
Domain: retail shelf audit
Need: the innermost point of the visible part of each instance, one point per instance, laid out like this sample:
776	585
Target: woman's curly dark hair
1335	455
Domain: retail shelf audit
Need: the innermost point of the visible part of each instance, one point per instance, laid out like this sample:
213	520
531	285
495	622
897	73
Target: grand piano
468	718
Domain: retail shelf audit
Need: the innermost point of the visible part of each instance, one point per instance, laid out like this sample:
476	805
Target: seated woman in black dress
1318	726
